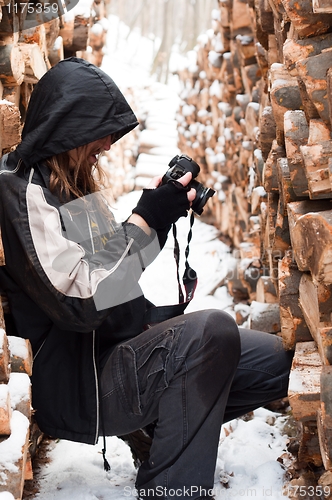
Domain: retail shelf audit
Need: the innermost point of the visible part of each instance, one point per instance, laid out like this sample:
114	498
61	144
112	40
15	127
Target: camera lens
201	198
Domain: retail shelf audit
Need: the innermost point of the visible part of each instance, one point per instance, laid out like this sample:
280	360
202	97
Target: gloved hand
163	205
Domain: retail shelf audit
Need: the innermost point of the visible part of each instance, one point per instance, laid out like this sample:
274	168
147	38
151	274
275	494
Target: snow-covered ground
246	465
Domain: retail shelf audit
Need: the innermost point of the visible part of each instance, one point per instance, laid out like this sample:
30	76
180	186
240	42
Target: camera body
180	165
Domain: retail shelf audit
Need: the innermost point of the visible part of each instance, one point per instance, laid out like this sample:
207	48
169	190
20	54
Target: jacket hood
73	104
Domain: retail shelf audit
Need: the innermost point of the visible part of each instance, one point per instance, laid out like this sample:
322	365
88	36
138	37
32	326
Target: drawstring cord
107	466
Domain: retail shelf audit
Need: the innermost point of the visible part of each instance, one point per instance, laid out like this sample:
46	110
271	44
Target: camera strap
157	314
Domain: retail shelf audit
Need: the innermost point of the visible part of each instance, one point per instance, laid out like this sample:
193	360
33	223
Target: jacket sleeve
76	288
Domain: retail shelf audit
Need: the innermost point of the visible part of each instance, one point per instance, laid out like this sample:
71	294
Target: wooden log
251	120
264	317
225	13
309	449
296	134
266	290
10	126
270	175
315	300
267	130
28	472
21	357
5	410
34	35
322	6
52	31
281	237
305	21
254	232
81	33
284	93
304	382
270	226
240	18
324	433
56	53
310	231
234	285
34	60
308	106
20	393
67	31
262	61
11	65
264	22
13	456
297	50
249	271
250	74
242	312
316	163
313	72
273	52
293	326
246	50
319	131
286	190
4	358
10	23
325	417
258	195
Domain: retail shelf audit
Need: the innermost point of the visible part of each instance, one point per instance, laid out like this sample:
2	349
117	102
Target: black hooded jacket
74	303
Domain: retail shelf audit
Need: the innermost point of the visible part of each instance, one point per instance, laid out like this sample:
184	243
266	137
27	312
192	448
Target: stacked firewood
15	413
27	50
256	114
15	408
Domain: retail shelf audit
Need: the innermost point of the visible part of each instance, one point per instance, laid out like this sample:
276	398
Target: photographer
71	278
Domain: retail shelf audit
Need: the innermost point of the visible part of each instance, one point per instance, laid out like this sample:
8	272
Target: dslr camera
180	165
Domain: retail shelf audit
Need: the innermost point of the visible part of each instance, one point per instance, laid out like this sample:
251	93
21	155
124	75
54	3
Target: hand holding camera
175	195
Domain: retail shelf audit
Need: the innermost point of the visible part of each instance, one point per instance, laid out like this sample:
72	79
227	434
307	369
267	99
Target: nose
107	143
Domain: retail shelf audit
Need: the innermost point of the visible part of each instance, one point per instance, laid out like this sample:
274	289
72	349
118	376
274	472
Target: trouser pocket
142	370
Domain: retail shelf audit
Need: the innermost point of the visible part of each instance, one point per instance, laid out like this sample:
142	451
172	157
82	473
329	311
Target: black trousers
191	374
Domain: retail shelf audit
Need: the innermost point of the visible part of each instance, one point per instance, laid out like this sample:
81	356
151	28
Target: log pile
15	413
256	114
27	51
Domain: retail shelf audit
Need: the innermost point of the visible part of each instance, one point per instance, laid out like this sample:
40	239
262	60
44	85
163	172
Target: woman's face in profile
92	150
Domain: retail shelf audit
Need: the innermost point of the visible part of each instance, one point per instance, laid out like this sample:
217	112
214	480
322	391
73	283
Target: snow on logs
15	413
255	113
28	51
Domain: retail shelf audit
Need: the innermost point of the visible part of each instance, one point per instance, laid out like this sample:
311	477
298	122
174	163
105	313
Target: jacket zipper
94	347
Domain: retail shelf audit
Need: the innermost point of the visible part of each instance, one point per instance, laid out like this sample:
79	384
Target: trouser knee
222	333
216	338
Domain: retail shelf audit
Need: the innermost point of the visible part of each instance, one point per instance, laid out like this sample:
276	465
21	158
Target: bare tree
160	65
167	21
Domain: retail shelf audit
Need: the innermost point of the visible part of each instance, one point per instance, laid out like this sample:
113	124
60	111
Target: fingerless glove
163	205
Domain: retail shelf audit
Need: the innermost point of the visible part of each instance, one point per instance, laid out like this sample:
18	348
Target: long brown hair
69	181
